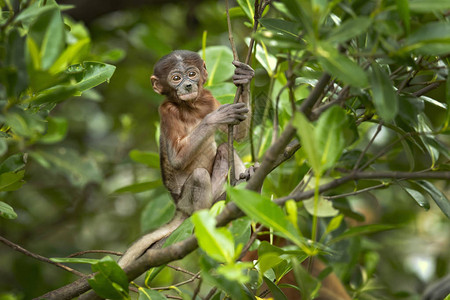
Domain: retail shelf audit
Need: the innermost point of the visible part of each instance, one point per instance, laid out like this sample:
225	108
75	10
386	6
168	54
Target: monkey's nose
188	87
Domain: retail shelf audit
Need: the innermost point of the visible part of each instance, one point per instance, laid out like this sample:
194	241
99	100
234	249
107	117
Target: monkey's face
185	82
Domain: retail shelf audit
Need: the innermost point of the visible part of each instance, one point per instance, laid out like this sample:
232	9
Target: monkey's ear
204	72
157	86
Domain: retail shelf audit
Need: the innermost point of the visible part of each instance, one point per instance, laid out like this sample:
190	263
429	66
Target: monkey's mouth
188	97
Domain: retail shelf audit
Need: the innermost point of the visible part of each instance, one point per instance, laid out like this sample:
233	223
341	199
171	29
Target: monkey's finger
241	65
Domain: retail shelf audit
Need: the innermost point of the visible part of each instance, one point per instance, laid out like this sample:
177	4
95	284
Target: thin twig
197	289
384	151
169	287
182	270
361	156
38	257
211	293
95	251
356	192
250	241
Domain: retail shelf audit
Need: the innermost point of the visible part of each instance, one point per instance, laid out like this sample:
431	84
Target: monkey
193	168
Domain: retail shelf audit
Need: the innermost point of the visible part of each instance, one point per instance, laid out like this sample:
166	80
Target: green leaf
241	230
424	6
334	223
441	200
223	92
274	289
324	208
14	163
309	286
349	29
281	26
340	66
266	59
78	169
181	233
11	181
384	96
25	123
157	212
56	130
148	294
74	260
72	54
306	131
330	136
235	271
151	159
429	39
7	211
48	33
262	210
111	281
219	64
15	78
417	196
248	6
217	243
93	73
403	11
139	187
361	230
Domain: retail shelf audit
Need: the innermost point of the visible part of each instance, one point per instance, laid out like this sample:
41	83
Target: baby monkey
193	168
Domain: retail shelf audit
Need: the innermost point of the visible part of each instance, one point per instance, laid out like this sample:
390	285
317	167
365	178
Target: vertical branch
259	8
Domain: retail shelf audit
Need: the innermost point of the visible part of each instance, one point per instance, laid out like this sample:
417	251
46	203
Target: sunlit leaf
262	210
384	97
219	64
217	243
324	208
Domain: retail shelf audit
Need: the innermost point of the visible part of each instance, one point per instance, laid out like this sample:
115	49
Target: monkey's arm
182	149
242	76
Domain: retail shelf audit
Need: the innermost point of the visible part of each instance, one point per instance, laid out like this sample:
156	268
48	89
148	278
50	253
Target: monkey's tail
139	247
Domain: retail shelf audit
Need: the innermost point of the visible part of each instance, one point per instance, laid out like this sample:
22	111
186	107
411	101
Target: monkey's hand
247	174
243	73
228	114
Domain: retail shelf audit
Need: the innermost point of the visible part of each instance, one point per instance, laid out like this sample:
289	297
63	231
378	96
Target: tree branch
38	257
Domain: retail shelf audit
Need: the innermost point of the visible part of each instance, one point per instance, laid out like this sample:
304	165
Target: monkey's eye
192	74
176	78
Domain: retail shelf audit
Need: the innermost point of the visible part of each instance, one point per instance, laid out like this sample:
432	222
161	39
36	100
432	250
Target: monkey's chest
204	157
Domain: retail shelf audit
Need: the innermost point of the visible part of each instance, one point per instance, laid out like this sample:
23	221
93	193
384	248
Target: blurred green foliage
80	170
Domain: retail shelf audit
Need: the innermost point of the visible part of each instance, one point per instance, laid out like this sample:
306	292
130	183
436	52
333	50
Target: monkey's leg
220	171
196	192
